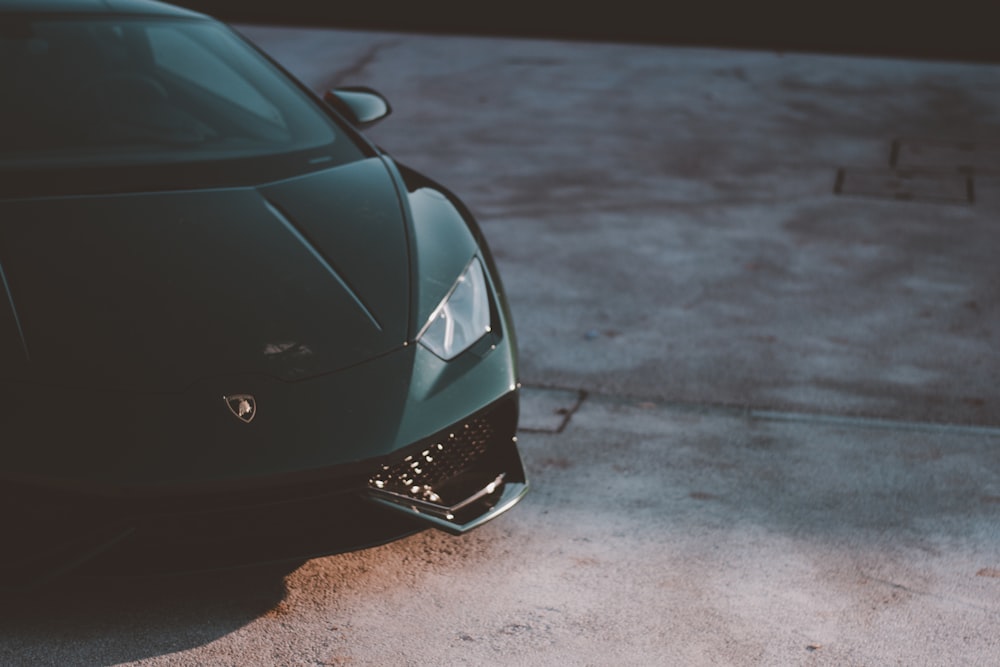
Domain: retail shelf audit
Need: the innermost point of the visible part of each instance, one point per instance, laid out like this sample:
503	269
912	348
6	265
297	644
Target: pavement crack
749	412
874	422
359	64
569	412
944	598
551	414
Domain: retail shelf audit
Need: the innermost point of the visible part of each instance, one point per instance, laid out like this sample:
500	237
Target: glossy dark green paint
443	245
144	7
152	292
141	312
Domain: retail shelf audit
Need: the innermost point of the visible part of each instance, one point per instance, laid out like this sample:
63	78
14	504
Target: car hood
155	291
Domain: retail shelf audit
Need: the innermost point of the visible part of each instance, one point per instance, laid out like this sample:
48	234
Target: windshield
112	93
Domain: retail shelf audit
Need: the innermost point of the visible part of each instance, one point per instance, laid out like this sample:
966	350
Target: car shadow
140	617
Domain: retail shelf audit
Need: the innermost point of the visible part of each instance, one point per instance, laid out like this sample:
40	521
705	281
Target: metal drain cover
943	187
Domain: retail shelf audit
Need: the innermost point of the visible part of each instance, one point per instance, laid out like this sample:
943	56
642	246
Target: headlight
462	317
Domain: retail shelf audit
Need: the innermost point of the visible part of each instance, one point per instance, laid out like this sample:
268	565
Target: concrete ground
758	303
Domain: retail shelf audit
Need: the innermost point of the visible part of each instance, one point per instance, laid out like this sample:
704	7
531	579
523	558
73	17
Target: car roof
98	7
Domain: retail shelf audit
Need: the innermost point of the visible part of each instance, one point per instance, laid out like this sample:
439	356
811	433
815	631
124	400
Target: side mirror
363	107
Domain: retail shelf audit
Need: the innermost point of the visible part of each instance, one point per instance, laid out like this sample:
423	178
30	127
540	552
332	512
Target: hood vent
322	259
13	314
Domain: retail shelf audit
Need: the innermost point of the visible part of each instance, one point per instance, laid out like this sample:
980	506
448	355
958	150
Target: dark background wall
956	31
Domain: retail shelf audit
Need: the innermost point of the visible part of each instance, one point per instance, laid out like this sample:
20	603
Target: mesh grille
454	453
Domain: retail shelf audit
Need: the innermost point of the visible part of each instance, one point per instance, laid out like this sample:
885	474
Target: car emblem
243	406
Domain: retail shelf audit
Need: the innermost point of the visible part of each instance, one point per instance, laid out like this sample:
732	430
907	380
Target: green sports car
232	329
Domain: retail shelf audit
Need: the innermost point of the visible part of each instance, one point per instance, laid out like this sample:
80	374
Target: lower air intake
448	458
459	479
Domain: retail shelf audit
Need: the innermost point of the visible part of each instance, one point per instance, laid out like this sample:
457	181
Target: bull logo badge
243	406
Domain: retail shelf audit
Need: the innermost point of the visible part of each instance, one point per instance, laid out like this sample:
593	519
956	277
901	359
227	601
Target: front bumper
294	518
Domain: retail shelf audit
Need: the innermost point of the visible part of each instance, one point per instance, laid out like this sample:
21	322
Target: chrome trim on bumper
442	517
